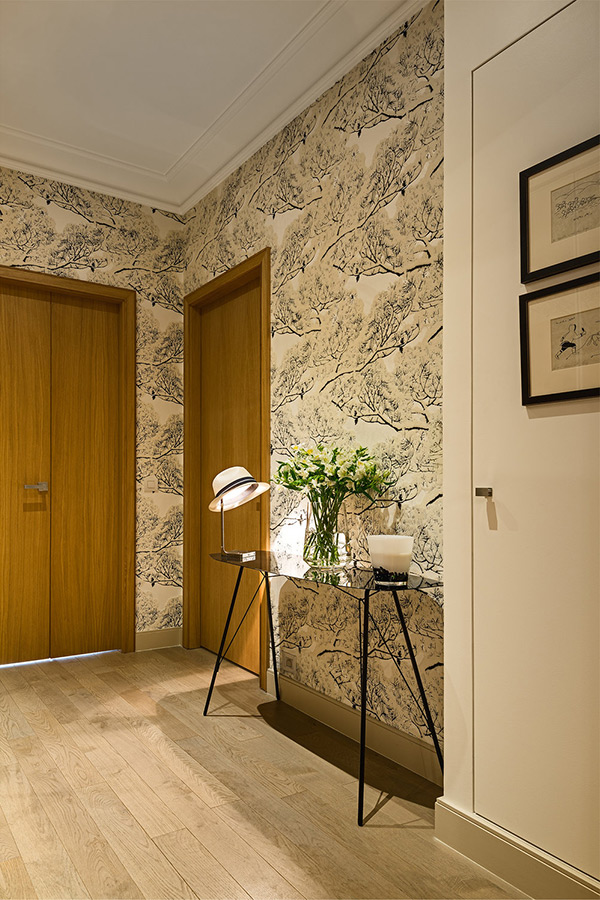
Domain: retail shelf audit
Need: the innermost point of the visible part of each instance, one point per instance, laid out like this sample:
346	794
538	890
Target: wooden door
67	419
227	424
25	333
86	587
230	436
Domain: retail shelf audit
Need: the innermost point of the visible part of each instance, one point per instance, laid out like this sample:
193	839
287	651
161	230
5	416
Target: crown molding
181	186
49	144
345	65
294	45
96	185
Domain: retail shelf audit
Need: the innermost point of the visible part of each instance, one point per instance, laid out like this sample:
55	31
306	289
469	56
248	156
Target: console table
358	579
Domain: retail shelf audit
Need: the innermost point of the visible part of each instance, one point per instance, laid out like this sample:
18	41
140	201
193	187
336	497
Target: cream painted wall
476	32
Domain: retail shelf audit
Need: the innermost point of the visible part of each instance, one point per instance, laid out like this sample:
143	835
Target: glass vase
325	543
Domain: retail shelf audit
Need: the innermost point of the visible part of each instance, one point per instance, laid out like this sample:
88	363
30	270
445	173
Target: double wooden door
61	473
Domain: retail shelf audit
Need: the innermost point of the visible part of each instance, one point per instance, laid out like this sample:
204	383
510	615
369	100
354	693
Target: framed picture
560	341
560	212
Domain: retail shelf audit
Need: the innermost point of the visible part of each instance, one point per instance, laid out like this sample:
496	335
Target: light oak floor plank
147	865
56	740
142	704
15	882
11	678
62	708
293	843
98	865
32	756
7	756
207	878
114	784
143	803
302	853
143	743
377	845
89	739
8	848
226	759
47	861
13	723
227	846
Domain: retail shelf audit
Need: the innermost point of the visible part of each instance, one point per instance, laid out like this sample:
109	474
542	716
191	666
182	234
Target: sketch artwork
575	339
575	207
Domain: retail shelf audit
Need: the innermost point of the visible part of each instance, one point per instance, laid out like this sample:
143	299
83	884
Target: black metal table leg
413	660
272	632
364	664
223	639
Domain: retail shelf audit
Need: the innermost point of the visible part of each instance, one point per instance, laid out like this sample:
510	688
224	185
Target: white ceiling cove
158	100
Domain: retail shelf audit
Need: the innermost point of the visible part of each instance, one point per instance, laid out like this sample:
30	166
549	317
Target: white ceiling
158	100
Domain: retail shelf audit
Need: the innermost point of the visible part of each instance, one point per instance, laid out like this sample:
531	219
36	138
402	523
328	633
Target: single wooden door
226	424
230	436
25	337
61	560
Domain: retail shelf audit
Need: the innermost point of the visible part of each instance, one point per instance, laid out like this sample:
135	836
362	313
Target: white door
536	544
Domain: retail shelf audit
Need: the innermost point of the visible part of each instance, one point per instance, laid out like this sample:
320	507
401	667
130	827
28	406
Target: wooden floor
113	784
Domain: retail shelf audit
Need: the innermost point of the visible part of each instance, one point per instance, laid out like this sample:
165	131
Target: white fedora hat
234	486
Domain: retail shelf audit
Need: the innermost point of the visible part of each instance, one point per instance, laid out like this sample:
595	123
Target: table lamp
233	487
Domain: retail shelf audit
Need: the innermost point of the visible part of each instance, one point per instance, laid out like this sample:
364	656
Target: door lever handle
40	486
484	492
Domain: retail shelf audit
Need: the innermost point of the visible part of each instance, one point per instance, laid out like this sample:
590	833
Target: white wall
475	33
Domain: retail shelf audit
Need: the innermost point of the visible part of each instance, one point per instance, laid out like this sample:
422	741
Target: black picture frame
530	271
558	378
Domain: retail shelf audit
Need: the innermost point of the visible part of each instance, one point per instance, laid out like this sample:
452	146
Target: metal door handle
484	492
40	486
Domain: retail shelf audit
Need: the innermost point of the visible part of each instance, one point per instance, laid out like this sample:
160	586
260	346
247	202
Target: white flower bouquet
327	475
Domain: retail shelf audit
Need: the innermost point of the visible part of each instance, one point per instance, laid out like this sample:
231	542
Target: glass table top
294	567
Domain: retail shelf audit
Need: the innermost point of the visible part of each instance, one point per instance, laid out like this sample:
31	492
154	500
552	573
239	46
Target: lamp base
239	555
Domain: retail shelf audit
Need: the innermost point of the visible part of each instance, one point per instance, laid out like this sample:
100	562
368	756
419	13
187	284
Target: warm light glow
35	662
237	496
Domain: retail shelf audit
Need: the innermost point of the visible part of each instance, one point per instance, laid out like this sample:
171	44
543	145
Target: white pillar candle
391	555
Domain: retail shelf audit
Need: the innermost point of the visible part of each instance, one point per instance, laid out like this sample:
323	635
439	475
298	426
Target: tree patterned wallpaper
51	227
349	198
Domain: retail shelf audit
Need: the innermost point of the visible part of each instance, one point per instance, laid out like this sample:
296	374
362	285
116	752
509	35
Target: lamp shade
233	487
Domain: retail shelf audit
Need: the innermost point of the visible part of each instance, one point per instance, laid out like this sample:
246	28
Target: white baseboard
521	864
156	640
404	749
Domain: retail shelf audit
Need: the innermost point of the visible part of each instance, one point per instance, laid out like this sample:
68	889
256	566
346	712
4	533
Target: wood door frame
125	300
256	268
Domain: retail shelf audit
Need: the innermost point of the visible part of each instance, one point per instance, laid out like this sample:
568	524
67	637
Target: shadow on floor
387	777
